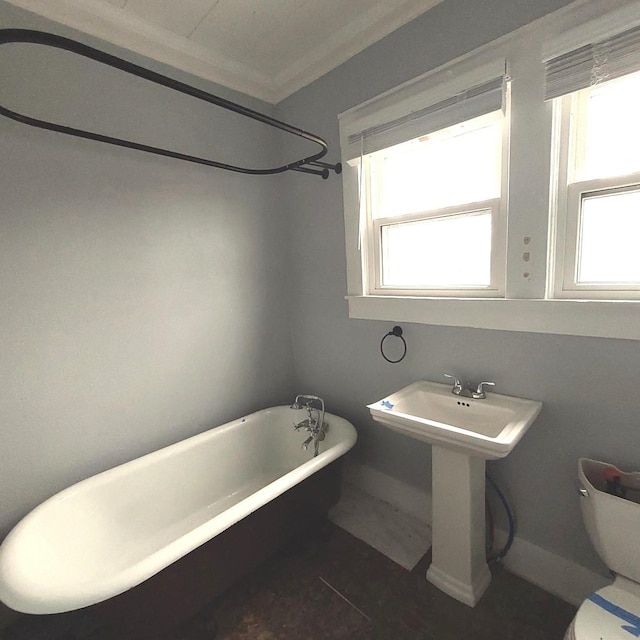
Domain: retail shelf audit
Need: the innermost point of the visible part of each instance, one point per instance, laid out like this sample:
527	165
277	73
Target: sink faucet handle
481	391
457	383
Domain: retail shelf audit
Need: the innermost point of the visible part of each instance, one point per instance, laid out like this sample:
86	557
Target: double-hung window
432	191
596	89
474	198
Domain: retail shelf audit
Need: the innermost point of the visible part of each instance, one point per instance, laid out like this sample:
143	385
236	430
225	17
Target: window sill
592	318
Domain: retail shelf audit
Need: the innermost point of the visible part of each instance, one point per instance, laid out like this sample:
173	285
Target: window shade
593	63
476	101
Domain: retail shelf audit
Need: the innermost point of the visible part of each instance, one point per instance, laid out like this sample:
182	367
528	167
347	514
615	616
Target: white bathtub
108	533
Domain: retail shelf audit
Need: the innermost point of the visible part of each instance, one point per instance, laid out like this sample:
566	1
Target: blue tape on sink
386	404
634	621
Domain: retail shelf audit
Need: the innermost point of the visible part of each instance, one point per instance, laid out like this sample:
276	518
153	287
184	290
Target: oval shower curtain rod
310	164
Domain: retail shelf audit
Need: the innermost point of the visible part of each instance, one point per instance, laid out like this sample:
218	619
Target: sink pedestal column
459	566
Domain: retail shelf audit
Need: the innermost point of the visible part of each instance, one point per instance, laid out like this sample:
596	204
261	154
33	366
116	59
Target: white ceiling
265	48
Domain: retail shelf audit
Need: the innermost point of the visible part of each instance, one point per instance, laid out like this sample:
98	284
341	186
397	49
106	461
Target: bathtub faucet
314	423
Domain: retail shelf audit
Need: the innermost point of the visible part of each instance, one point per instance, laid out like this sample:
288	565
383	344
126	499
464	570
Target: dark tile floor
330	585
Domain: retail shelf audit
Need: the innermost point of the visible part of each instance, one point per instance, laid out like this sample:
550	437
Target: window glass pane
609	231
454	166
447	252
612	136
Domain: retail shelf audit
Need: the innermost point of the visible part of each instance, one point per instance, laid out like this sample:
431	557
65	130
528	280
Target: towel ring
396	332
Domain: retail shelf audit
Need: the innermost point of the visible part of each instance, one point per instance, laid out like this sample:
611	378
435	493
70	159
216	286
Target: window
598	208
471	201
435	217
433	204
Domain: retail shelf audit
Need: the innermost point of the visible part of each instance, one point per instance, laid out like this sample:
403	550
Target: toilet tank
612	522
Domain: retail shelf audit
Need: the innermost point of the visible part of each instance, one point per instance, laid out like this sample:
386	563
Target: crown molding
354	37
110	23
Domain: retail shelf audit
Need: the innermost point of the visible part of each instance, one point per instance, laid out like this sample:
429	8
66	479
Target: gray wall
142	299
588	386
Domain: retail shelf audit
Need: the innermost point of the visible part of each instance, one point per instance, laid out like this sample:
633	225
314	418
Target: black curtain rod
310	164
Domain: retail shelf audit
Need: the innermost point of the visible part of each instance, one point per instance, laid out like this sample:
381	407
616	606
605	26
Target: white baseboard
560	576
553	573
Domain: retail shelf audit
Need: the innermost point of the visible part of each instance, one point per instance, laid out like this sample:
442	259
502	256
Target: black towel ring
397	332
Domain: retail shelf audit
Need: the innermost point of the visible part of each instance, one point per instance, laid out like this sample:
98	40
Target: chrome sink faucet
314	423
467	390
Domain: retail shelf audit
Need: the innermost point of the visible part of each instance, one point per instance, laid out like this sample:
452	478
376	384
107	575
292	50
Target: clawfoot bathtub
241	490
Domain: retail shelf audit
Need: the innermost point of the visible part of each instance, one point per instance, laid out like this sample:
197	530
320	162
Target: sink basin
487	428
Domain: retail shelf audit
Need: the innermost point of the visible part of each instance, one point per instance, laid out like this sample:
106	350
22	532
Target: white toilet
613	524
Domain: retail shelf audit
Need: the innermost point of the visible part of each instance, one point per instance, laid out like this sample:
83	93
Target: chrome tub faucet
314	423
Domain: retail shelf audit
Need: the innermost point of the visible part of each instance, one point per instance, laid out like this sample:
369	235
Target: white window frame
528	304
372	256
570	116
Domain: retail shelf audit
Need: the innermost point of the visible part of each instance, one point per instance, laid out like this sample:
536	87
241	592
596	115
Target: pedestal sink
464	433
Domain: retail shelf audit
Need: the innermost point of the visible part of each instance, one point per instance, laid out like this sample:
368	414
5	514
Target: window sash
380	188
568	242
578	161
498	230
